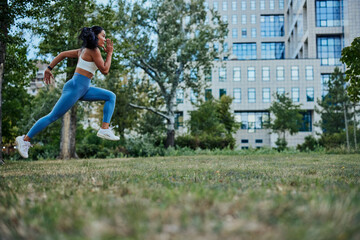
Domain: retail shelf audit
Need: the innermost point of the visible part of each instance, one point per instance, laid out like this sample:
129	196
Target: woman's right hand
47	76
109	46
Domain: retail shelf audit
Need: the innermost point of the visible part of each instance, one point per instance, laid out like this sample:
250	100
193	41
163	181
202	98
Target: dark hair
89	36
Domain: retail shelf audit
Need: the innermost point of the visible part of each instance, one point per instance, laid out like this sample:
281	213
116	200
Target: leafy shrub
310	144
205	142
281	144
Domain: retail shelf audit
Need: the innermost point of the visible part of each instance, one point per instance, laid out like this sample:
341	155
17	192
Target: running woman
78	88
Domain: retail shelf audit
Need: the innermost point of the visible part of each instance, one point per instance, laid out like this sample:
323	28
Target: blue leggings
78	88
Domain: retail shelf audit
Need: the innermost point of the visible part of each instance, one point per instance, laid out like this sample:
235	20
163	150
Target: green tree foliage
169	40
333	103
351	57
18	73
214	118
287	118
334	107
10	11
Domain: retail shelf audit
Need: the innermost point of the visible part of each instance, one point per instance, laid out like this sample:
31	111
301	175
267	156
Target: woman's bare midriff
84	72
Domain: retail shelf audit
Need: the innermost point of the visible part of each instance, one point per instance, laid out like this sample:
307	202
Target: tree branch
150	109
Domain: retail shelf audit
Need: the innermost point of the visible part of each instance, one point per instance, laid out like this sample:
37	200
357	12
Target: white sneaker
22	146
107	134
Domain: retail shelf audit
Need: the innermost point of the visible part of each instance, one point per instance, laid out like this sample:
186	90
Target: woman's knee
112	96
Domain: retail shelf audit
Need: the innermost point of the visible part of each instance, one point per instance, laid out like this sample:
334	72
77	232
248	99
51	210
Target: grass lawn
281	196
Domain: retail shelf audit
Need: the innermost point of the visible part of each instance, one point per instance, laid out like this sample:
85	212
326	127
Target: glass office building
277	46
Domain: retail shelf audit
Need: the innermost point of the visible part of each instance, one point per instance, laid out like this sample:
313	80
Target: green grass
279	196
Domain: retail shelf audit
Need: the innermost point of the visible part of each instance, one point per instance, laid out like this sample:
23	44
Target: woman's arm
101	65
57	59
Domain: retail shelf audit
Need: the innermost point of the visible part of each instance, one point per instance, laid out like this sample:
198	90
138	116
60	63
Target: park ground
278	196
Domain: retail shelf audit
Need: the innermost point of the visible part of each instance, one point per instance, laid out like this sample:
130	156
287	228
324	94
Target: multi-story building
37	82
280	46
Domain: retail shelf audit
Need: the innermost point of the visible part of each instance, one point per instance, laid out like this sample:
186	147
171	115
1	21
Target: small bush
281	144
205	142
310	144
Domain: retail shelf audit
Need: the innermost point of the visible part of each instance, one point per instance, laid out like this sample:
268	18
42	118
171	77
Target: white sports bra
86	65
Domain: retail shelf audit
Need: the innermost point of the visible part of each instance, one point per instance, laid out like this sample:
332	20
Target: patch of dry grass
302	196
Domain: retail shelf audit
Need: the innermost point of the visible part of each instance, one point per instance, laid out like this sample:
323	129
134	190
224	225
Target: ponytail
89	36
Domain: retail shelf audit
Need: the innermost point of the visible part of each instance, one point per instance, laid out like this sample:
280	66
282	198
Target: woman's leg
99	94
68	98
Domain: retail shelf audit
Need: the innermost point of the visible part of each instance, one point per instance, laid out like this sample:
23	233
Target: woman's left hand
109	46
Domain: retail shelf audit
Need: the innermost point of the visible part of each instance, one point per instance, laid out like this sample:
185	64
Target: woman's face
102	39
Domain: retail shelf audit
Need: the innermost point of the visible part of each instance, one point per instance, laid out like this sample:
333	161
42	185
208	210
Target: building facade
285	46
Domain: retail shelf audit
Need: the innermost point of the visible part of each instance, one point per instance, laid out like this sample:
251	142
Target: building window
179	96
193	96
272	4
193	75
280	90
309	73
237	95
251	95
329	50
272	25
253	5
222	92
295	94
251	120
280	73
253	32
244	51
266	95
266	73
234	19
251	74
243	19
233	5
216	6
328	13
309	94
262	5
272	50
208	94
294	73
224	5
206	6
243	5
208	74
244	140
325	78
236	74
258	141
179	119
222	74
234	33
281	4
244	32
253	19
225	18
307	122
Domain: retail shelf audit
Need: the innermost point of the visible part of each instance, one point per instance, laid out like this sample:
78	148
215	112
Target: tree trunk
1	80
68	127
355	128
3	38
346	129
170	139
68	134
